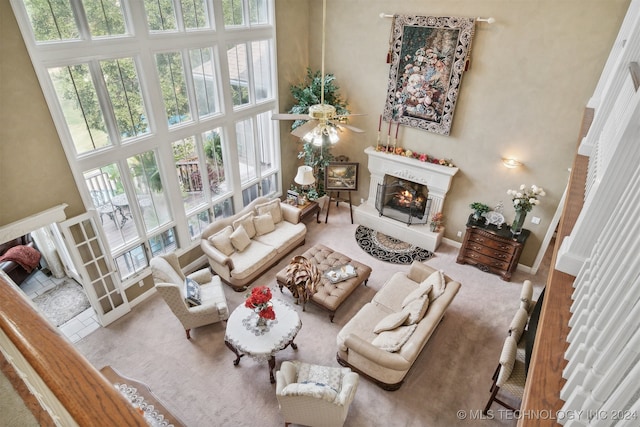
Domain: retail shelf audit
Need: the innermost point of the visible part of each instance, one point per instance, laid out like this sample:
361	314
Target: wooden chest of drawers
492	249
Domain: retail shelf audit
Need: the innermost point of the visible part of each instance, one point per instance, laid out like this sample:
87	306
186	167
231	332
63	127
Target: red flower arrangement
260	301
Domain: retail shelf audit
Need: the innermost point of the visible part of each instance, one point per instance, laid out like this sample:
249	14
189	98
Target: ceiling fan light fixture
333	135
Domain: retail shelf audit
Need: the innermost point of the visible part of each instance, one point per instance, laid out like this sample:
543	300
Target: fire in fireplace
403	200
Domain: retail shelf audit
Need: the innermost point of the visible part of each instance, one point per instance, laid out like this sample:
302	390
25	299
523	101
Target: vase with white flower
259	300
524	199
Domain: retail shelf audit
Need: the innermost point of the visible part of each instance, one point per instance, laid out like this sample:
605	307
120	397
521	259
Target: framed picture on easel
341	176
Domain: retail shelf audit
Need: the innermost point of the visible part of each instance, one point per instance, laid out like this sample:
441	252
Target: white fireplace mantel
436	177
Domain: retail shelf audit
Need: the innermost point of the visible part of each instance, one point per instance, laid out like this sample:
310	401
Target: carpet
389	249
63	303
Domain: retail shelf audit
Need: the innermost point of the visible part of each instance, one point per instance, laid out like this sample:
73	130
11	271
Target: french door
93	263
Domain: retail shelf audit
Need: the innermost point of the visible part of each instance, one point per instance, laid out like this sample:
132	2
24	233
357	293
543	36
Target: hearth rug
389	249
63	303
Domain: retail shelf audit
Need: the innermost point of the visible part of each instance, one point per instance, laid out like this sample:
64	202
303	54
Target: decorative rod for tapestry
383	15
487	20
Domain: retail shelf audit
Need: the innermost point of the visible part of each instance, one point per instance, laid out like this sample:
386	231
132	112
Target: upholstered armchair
314	395
170	283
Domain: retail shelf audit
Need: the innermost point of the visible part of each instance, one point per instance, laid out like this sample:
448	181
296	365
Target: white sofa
271	230
387	367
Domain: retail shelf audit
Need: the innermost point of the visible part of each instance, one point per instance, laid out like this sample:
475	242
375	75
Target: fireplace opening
403	200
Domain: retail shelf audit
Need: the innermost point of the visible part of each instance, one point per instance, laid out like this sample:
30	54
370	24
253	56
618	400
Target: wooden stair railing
541	401
56	367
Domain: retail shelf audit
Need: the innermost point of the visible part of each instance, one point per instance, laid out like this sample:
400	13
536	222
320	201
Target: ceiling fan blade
351	128
301	131
278	116
350	115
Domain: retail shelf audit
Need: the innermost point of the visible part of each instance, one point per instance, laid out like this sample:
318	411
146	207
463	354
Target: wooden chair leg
491	399
188	333
495	377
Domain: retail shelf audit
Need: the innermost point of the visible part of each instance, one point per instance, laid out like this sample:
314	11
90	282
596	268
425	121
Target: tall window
135	88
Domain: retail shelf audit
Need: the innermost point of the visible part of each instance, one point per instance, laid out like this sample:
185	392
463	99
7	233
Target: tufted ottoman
330	295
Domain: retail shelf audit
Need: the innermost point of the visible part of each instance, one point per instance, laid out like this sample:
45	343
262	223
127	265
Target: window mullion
188	80
105	102
81	19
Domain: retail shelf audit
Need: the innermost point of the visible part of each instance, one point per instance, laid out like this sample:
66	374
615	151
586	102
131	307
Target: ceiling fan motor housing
322	111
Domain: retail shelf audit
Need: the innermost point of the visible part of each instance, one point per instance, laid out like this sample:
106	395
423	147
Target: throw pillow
247	222
263	224
393	341
424	288
273	208
240	239
322	375
319	391
416	310
391	321
192	292
222	240
439	283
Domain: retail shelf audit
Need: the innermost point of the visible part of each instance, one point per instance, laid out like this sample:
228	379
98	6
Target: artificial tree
307	94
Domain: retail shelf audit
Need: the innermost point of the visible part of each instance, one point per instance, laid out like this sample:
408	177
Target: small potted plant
478	210
437	220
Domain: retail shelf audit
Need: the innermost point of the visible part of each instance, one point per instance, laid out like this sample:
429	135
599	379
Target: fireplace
403	200
428	180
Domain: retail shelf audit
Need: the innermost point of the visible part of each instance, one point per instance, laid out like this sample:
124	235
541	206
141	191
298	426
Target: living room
540	132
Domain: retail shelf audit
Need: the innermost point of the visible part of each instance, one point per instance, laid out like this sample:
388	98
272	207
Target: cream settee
243	246
386	356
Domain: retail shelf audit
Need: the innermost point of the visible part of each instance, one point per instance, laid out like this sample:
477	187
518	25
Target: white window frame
142	46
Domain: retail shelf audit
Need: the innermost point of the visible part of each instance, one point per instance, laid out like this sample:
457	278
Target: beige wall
532	73
34	173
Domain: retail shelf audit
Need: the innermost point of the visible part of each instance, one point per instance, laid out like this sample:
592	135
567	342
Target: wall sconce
511	163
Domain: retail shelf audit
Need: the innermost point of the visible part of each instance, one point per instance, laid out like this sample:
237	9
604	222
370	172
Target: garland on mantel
423	157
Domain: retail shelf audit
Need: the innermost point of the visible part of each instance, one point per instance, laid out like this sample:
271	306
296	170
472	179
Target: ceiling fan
322	119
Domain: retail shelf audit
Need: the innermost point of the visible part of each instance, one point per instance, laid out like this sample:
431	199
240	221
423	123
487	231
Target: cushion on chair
516	328
222	240
247	222
263	224
526	295
240	239
273	208
393	340
507	360
391	321
192	292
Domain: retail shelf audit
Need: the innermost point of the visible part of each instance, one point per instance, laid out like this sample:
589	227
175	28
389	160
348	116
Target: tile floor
76	328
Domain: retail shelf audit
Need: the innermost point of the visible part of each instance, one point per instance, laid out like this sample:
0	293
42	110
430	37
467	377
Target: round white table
261	344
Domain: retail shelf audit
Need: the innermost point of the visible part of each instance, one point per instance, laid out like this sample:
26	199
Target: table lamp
304	177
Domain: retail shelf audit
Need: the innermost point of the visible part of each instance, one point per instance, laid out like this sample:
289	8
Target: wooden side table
492	249
309	209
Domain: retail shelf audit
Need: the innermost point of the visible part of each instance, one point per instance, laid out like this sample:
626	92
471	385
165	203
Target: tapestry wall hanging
429	56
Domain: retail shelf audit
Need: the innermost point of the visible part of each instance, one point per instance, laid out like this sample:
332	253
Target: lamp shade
304	176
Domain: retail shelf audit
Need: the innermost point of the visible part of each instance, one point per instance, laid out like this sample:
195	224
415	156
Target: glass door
95	266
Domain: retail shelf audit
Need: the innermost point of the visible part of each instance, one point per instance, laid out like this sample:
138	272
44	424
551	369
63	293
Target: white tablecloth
261	345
